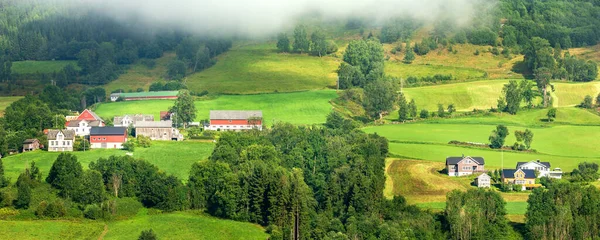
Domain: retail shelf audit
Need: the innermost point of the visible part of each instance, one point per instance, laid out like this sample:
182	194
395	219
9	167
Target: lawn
309	107
31	67
401	70
259	68
172	157
140	76
179	225
571	94
5	102
512	208
184	225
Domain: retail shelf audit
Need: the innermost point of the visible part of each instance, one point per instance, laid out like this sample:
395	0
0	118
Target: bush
129	146
143	141
55	209
127	207
424	114
147	235
92	212
476	53
40	211
517	187
587	102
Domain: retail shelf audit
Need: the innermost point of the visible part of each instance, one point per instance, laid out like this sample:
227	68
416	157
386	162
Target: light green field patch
184	225
5	102
46	229
530	118
513	208
140	76
571	94
402	70
31	67
172	157
309	107
259	68
464	96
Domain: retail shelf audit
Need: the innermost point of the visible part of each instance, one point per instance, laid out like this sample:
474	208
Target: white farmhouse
82	127
60	140
543	169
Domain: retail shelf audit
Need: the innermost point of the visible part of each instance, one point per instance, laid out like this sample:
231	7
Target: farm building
31	145
235	120
162	130
525	177
108	137
60	140
461	166
131	120
483	180
82	127
543	169
144	96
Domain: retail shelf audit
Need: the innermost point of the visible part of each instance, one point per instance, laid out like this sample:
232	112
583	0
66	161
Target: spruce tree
403	111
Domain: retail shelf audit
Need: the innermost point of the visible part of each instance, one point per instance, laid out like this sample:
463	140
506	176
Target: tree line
317	44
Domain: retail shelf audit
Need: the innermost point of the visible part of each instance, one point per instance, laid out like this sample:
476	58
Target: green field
309	107
512	208
172	157
401	70
31	67
5	102
179	225
140	76
529	118
258	68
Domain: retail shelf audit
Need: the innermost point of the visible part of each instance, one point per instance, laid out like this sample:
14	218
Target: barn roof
149	94
161	124
108	130
235	115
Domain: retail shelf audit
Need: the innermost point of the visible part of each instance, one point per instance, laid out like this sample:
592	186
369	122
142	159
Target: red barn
89	116
235	120
108	137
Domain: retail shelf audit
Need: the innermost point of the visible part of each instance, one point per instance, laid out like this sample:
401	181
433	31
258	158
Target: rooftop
456	160
147	94
239	115
161	124
69	134
547	164
510	173
108	131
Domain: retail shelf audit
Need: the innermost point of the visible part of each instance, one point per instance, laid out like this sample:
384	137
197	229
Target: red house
108	137
235	120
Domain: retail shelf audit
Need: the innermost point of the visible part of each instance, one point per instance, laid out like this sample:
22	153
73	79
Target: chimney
538	160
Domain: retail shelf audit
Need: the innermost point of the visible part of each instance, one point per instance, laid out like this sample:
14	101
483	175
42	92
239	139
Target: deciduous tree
184	109
498	137
283	42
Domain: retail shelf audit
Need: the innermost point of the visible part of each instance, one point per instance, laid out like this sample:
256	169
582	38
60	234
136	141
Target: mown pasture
310	107
5	102
141	76
33	67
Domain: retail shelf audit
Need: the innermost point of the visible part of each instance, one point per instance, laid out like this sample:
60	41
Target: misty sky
259	17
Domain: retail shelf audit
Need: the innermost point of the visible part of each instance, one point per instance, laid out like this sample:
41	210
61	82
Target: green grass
179	225
571	94
401	70
530	118
172	157
5	102
140	76
259	68
512	208
30	67
309	107
184	225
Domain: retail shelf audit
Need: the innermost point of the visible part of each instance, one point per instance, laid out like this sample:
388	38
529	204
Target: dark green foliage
551	114
367	57
498	137
92	212
184	109
398	29
403	112
424	114
176	70
482	36
585	172
168	86
513	96
65	175
350	76
451	109
55	209
28	113
91	188
318	42
3	180
301	42
335	120
476	214
283	42
94	95
441	112
24	191
129	146
588	102
379	97
543	76
409	55
524	139
147	235
412	108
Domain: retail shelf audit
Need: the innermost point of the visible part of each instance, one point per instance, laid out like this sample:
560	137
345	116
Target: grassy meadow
5	102
178	225
309	107
172	157
402	70
32	67
250	68
140	76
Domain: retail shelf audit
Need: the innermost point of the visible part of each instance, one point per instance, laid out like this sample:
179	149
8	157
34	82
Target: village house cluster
524	174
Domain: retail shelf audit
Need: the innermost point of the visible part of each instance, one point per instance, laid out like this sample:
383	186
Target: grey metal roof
75	123
108	131
547	164
161	124
31	140
510	173
69	134
456	160
235	115
134	117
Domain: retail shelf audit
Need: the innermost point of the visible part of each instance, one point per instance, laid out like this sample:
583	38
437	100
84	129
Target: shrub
129	146
517	187
587	102
40	211
127	207
424	113
147	235
92	212
55	209
476	53
143	141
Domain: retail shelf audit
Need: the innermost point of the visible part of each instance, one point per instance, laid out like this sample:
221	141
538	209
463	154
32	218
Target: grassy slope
140	76
172	157
512	208
28	67
298	108
399	69
184	226
5	102
179	225
258	68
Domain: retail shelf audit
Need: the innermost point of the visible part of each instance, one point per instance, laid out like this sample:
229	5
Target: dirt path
103	232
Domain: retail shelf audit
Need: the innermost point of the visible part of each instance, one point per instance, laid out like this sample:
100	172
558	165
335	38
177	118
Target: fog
262	17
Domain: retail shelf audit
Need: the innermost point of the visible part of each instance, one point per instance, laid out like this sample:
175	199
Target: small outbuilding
483	181
31	145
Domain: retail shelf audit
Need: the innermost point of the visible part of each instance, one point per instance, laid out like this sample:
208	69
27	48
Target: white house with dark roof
465	165
82	127
235	120
543	168
60	140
